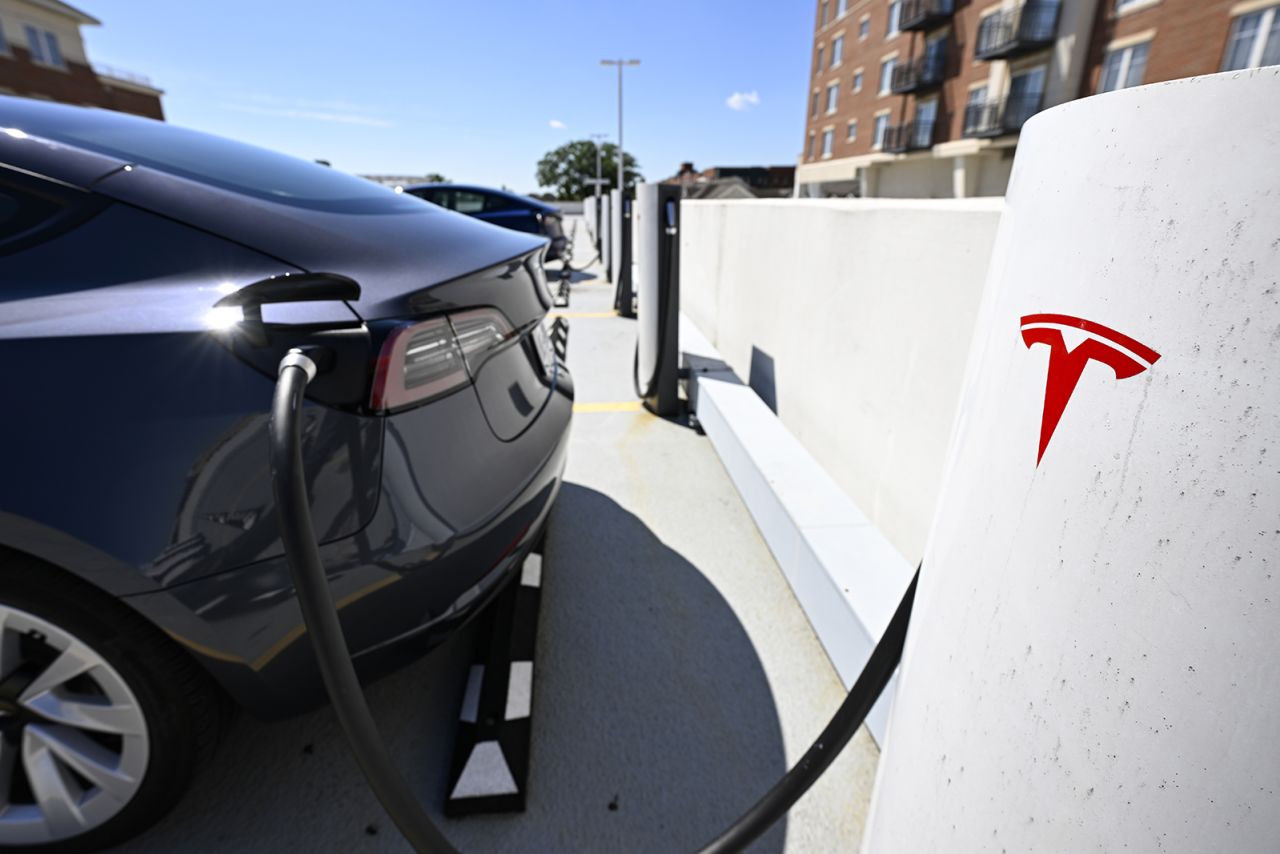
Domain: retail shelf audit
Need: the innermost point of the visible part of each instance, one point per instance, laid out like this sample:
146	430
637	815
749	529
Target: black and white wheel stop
491	754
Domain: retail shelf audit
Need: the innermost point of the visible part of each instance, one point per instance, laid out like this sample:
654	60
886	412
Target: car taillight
479	333
421	361
418	361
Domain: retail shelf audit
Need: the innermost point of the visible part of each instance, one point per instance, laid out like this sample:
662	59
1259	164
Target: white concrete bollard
615	233
1094	657
589	217
606	233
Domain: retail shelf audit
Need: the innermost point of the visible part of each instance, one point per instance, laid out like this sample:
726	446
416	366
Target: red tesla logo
1074	342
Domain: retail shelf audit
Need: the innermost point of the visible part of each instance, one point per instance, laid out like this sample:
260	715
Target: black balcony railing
997	118
918	75
1031	26
911	136
924	14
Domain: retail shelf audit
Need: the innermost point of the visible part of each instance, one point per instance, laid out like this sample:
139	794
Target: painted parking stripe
609	406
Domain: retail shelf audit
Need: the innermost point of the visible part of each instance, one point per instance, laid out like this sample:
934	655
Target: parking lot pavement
676	676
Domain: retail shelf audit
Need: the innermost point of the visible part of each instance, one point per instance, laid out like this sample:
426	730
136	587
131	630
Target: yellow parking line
584	315
615	406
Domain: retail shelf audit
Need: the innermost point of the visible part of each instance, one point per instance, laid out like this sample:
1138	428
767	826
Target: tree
570	167
435	178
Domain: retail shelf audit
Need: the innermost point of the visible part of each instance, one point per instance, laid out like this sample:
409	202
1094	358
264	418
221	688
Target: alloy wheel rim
73	739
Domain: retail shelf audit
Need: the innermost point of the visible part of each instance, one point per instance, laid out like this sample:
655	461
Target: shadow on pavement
654	724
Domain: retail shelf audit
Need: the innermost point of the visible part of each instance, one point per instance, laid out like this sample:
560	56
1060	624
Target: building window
1026	94
833	95
976	111
886	74
878	130
842	9
824	13
864	28
827	137
895	16
926	116
857	81
851	132
1123	68
43	46
1254	40
837	52
817	69
808	152
813	106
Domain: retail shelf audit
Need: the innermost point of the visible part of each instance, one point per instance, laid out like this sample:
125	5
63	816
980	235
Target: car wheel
103	719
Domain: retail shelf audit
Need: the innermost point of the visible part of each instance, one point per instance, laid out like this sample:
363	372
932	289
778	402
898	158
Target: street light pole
598	138
622	160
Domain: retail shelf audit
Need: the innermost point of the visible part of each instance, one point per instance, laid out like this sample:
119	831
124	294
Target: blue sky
470	89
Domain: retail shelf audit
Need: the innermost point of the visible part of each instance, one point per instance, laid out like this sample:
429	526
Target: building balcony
911	136
919	75
1030	27
924	14
997	118
125	79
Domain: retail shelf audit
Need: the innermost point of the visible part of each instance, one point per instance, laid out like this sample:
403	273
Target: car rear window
210	159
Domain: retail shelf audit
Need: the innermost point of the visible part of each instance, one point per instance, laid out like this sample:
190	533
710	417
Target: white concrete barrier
851	319
1093	661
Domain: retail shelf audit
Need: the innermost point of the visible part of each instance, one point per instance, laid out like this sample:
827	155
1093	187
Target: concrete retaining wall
851	319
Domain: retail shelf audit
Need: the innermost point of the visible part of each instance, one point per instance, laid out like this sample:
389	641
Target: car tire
101	756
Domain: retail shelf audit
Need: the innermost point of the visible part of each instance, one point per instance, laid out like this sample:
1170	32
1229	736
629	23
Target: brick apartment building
925	98
42	55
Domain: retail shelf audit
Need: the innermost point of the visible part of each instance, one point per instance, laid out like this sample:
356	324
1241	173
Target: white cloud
557	124
742	101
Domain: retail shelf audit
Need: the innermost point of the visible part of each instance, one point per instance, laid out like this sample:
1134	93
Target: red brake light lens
421	361
418	362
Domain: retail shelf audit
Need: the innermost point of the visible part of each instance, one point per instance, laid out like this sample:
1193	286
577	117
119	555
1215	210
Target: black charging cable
297	533
293	511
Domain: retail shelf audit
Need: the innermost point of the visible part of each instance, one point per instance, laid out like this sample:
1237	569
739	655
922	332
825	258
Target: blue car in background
509	210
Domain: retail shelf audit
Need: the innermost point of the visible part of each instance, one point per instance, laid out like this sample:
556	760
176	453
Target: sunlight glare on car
223	317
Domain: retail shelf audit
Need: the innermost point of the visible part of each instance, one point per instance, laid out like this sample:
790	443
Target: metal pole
622	158
599	138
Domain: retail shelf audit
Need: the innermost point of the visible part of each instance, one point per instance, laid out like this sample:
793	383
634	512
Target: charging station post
620	253
590	212
1095	667
605	218
657	252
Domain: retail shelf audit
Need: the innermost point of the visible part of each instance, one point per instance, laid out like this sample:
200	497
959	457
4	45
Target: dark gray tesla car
151	278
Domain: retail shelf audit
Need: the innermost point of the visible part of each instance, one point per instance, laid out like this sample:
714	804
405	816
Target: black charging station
623	293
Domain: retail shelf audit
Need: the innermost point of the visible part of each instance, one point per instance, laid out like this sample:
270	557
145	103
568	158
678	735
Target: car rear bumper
457	512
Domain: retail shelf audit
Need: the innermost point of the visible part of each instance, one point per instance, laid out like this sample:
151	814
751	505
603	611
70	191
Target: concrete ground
676	676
